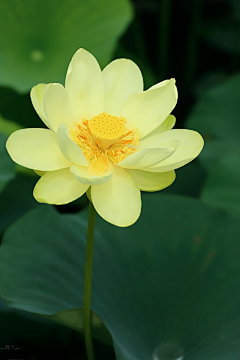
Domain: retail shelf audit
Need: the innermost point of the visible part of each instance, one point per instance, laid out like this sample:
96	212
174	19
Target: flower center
107	127
104	138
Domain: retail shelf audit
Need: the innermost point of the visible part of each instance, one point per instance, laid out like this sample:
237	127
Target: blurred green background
168	287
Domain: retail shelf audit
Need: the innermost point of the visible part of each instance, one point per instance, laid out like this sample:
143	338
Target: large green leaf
18	325
15	200
189	180
18	107
73	319
40	36
216	117
7	168
222	188
7	127
166	288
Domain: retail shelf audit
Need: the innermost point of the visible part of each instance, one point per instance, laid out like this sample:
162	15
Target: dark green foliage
154	284
166	288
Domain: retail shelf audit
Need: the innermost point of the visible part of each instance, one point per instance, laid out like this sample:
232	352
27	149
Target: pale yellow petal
69	148
146	157
164	83
149	181
168	124
36	149
190	145
119	200
149	109
57	106
90	175
39	172
36	95
121	77
58	187
84	84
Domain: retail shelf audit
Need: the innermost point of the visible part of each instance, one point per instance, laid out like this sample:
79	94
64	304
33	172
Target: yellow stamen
104	138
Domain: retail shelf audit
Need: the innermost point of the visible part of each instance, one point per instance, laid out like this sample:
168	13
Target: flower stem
88	282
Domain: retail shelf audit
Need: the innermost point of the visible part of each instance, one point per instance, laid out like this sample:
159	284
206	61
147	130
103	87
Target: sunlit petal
190	145
58	187
84	84
36	95
168	124
69	148
118	201
149	181
57	106
149	109
90	175
121	77
36	149
146	156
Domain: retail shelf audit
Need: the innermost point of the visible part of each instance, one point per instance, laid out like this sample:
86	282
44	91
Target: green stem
88	282
165	12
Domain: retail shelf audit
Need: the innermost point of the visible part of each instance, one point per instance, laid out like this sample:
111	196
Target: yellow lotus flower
105	134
